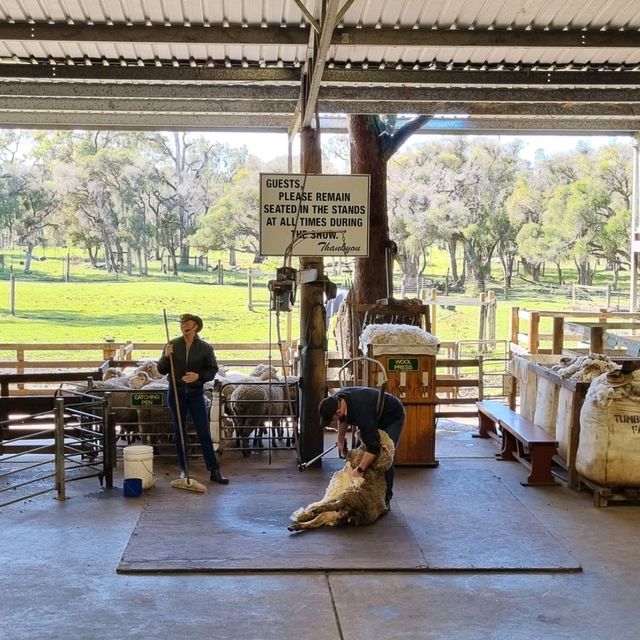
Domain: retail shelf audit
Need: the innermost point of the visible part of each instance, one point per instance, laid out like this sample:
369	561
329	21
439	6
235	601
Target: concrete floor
58	576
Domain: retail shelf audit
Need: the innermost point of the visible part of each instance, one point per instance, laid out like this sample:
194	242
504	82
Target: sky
268	146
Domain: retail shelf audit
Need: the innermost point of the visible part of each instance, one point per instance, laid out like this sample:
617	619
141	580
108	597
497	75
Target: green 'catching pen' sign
404	364
147	400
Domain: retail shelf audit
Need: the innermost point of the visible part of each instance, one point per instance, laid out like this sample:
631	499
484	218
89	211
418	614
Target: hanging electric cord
287	390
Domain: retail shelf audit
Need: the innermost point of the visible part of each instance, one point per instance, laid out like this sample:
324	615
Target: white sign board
314	215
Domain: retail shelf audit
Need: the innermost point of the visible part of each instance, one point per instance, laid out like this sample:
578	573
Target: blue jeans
192	401
393	431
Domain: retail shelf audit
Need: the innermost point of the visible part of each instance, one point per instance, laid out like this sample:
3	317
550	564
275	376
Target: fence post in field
482	315
12	293
249	289
515	324
108	350
67	268
220	273
433	309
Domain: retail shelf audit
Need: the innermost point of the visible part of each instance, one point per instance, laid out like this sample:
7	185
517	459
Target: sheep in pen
143	419
254	408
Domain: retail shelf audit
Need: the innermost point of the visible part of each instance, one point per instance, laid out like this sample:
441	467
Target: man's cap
328	408
189	317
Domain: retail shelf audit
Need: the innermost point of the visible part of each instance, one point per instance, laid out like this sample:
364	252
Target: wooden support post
313	336
596	339
433	307
534	332
20	365
558	335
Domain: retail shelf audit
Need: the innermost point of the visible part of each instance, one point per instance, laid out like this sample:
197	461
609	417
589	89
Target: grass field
89	308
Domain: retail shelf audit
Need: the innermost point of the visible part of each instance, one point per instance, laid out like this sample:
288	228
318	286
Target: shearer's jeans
393	431
192	401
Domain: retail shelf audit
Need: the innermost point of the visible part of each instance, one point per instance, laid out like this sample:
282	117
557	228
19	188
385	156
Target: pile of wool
602	392
584	368
401	334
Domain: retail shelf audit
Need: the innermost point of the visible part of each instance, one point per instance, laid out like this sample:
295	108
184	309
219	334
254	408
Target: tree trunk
477	268
367	157
28	257
559	271
452	245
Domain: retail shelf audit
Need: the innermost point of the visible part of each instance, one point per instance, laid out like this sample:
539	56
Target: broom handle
177	402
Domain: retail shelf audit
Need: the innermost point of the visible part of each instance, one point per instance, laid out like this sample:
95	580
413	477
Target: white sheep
348	500
251	400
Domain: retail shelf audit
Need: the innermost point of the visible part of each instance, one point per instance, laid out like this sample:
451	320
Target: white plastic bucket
138	463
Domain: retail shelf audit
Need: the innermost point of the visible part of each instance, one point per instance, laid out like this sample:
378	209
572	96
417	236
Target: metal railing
74	440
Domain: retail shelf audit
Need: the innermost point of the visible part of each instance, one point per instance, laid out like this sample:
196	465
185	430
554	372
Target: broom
187	483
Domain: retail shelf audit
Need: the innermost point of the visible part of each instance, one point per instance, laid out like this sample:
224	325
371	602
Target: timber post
313	332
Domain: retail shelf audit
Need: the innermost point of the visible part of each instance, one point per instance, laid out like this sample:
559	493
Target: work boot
216	476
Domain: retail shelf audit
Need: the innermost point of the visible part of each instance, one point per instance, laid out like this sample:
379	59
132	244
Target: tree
374	139
191	174
233	222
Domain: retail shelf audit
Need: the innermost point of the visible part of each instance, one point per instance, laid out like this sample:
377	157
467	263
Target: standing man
358	406
194	363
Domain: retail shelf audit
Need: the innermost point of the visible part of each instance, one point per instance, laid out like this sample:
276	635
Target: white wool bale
609	448
398	334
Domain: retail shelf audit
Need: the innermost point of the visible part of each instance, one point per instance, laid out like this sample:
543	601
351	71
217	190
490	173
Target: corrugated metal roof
552	50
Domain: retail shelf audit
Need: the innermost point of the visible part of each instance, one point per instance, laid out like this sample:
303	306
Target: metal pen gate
69	437
266	418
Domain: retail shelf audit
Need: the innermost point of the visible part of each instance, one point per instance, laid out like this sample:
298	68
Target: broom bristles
189	484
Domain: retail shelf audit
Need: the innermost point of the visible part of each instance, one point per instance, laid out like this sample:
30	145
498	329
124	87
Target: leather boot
216	476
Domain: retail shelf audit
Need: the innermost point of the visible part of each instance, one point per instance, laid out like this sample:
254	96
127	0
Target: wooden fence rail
15	357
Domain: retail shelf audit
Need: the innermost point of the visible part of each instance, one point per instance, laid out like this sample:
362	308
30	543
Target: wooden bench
522	440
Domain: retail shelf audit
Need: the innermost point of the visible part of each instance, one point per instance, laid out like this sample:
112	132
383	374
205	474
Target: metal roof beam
268	92
149	73
586	110
294	34
147	105
143	122
319	61
154	34
287	107
262	92
479	78
506	126
409	95
275	123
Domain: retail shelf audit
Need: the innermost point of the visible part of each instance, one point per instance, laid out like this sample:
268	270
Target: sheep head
150	367
139	380
112	372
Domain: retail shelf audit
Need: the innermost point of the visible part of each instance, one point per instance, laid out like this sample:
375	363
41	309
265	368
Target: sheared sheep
348	500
